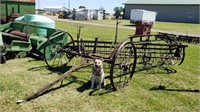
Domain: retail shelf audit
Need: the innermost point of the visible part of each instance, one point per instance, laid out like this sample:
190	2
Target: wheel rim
54	55
123	66
178	56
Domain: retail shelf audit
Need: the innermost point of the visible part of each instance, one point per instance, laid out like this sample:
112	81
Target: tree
101	8
82	7
118	11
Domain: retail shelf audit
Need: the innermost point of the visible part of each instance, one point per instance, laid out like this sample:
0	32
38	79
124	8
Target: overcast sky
108	5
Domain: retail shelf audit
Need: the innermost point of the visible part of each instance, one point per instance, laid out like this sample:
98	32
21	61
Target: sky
108	5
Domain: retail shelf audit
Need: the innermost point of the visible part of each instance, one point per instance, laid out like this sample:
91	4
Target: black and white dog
97	74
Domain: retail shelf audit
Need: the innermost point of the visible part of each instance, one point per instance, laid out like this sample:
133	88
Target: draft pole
116	31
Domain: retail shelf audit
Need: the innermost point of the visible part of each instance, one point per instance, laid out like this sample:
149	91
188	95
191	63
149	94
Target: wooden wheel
123	65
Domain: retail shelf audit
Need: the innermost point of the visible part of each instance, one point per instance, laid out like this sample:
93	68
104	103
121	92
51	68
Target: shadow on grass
86	86
163	88
83	87
59	70
54	89
107	89
131	25
72	79
155	69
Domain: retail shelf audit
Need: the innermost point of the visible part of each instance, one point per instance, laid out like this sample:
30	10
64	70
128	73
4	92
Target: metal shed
95	14
168	10
13	8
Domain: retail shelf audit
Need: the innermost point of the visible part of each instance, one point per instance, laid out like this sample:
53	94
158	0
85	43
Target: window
191	15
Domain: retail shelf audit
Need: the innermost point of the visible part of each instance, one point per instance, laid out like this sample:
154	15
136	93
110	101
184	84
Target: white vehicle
142	16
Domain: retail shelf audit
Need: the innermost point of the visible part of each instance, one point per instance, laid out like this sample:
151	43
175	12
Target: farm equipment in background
64	13
19	38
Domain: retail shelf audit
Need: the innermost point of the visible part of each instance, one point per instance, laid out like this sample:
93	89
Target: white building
89	14
95	14
52	9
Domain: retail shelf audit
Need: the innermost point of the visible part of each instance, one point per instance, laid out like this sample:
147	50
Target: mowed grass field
186	28
180	92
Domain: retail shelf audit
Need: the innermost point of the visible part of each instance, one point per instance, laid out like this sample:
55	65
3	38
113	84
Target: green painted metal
39	21
1	41
9	7
19	46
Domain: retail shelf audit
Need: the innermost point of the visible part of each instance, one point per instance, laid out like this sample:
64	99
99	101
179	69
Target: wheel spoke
54	56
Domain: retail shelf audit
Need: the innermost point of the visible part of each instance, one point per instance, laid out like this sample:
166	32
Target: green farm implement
18	39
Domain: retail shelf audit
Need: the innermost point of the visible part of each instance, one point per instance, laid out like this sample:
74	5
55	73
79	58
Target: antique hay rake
121	57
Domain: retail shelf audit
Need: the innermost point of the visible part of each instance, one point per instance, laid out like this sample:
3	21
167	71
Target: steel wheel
123	65
53	54
178	56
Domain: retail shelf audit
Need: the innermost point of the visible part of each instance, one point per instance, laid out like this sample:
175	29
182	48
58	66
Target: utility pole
38	5
68	4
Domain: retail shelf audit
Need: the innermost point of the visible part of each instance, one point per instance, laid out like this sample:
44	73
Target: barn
167	10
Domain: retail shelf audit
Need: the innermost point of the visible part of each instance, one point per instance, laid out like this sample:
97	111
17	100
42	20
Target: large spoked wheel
53	52
178	56
123	65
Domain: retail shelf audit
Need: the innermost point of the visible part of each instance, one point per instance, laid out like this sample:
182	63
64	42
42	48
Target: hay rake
121	57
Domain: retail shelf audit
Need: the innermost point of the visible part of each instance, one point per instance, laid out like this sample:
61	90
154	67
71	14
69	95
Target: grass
90	32
20	77
187	28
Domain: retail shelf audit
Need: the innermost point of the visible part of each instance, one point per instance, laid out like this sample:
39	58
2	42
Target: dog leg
92	83
100	83
104	82
100	86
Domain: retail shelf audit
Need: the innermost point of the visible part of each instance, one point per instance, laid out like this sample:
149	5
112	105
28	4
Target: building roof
52	7
30	1
183	2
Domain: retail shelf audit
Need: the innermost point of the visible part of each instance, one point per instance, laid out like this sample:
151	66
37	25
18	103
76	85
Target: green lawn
20	77
90	31
186	28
